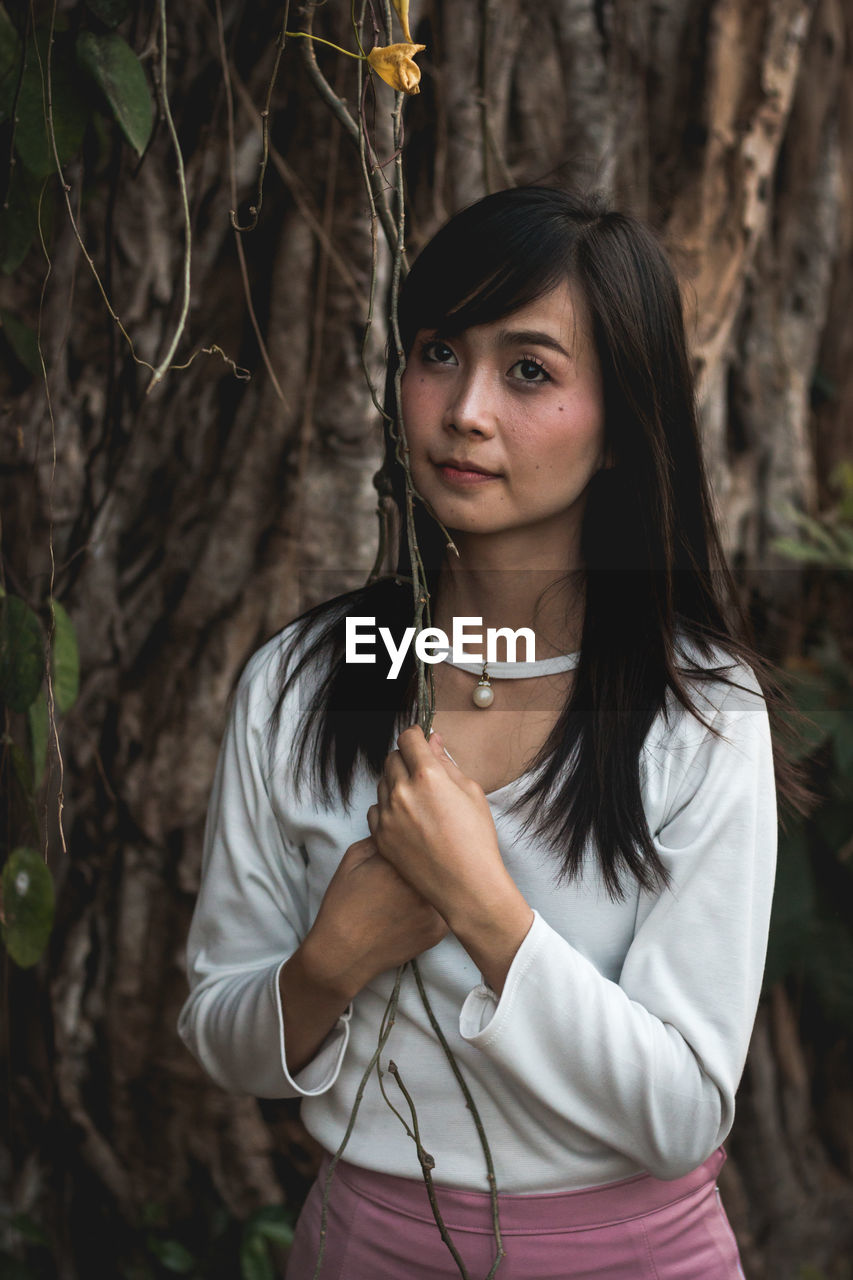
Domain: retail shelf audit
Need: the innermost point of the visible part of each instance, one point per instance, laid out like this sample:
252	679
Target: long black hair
655	576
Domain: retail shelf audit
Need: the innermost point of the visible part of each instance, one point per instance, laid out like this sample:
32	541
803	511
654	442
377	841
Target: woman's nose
473	410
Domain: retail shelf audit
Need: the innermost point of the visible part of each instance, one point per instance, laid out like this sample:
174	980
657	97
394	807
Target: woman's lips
458	474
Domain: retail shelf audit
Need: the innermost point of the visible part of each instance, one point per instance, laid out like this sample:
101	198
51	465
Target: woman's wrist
329	967
491	926
310	1007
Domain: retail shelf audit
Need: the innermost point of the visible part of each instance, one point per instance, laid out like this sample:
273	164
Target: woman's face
505	424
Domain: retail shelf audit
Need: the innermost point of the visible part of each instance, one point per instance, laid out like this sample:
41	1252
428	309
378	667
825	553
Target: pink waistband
543	1212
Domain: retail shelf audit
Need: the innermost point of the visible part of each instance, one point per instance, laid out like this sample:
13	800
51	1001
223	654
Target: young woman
581	856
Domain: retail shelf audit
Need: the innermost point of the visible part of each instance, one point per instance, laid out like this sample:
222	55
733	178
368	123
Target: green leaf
255	1261
798	551
110	12
22	768
21	654
23	773
28	904
23	341
30	1230
18	222
10	60
172	1255
39	723
153	1214
274	1222
66	659
116	69
70	109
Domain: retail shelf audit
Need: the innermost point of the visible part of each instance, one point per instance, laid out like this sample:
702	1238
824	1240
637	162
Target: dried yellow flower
394	64
401	8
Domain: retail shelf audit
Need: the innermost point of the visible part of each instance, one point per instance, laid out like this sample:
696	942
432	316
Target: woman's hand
433	824
370	920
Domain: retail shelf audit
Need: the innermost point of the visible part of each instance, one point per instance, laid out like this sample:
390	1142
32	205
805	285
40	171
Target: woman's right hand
370	920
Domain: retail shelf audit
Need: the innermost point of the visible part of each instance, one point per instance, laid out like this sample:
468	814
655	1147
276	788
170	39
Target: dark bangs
500	254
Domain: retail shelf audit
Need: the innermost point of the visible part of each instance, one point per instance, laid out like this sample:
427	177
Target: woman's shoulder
724	732
716	678
722	690
295	656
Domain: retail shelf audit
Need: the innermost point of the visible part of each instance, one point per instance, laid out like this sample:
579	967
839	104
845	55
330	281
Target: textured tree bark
189	525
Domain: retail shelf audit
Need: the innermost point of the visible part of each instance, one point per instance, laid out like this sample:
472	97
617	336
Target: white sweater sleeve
650	1064
250	916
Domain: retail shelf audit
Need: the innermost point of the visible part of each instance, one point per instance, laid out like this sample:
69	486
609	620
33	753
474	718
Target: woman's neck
549	602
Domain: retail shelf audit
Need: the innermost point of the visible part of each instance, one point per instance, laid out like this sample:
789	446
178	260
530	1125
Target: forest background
187	447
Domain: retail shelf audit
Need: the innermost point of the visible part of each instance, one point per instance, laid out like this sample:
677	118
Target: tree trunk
189	524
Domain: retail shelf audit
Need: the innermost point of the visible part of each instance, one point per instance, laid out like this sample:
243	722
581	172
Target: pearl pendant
483	696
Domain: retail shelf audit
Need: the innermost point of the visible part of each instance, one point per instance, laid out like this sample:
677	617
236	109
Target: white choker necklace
484	695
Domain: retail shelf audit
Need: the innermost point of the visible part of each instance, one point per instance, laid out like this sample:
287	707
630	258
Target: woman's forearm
491	928
311	1006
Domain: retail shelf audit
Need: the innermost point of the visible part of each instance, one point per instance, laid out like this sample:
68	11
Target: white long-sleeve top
620	1036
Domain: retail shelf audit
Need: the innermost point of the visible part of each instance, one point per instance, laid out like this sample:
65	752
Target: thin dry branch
232	178
475	1115
255	209
51	694
342	112
296	187
182	186
427	1163
385	1031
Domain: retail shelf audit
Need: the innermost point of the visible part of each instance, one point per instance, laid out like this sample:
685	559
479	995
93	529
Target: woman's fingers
413	748
395	769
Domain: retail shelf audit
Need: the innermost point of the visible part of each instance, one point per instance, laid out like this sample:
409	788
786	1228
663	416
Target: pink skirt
382	1228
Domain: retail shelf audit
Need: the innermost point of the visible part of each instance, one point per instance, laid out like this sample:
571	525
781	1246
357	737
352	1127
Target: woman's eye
438	352
529	370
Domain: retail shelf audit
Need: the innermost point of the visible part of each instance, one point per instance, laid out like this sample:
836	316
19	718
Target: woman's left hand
434	825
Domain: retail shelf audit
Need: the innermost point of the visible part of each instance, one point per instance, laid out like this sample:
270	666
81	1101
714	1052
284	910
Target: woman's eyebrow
531	337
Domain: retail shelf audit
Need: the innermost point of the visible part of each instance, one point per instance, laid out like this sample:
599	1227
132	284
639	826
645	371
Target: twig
427	1163
75	226
182	184
340	109
475	1115
420	591
306	426
255	209
385	1031
374	239
51	696
232	176
296	187
66	190
242	375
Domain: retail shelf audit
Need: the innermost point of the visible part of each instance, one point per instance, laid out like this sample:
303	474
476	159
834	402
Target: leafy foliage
812	928
28	902
21	654
116	69
37	93
827	541
27	885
